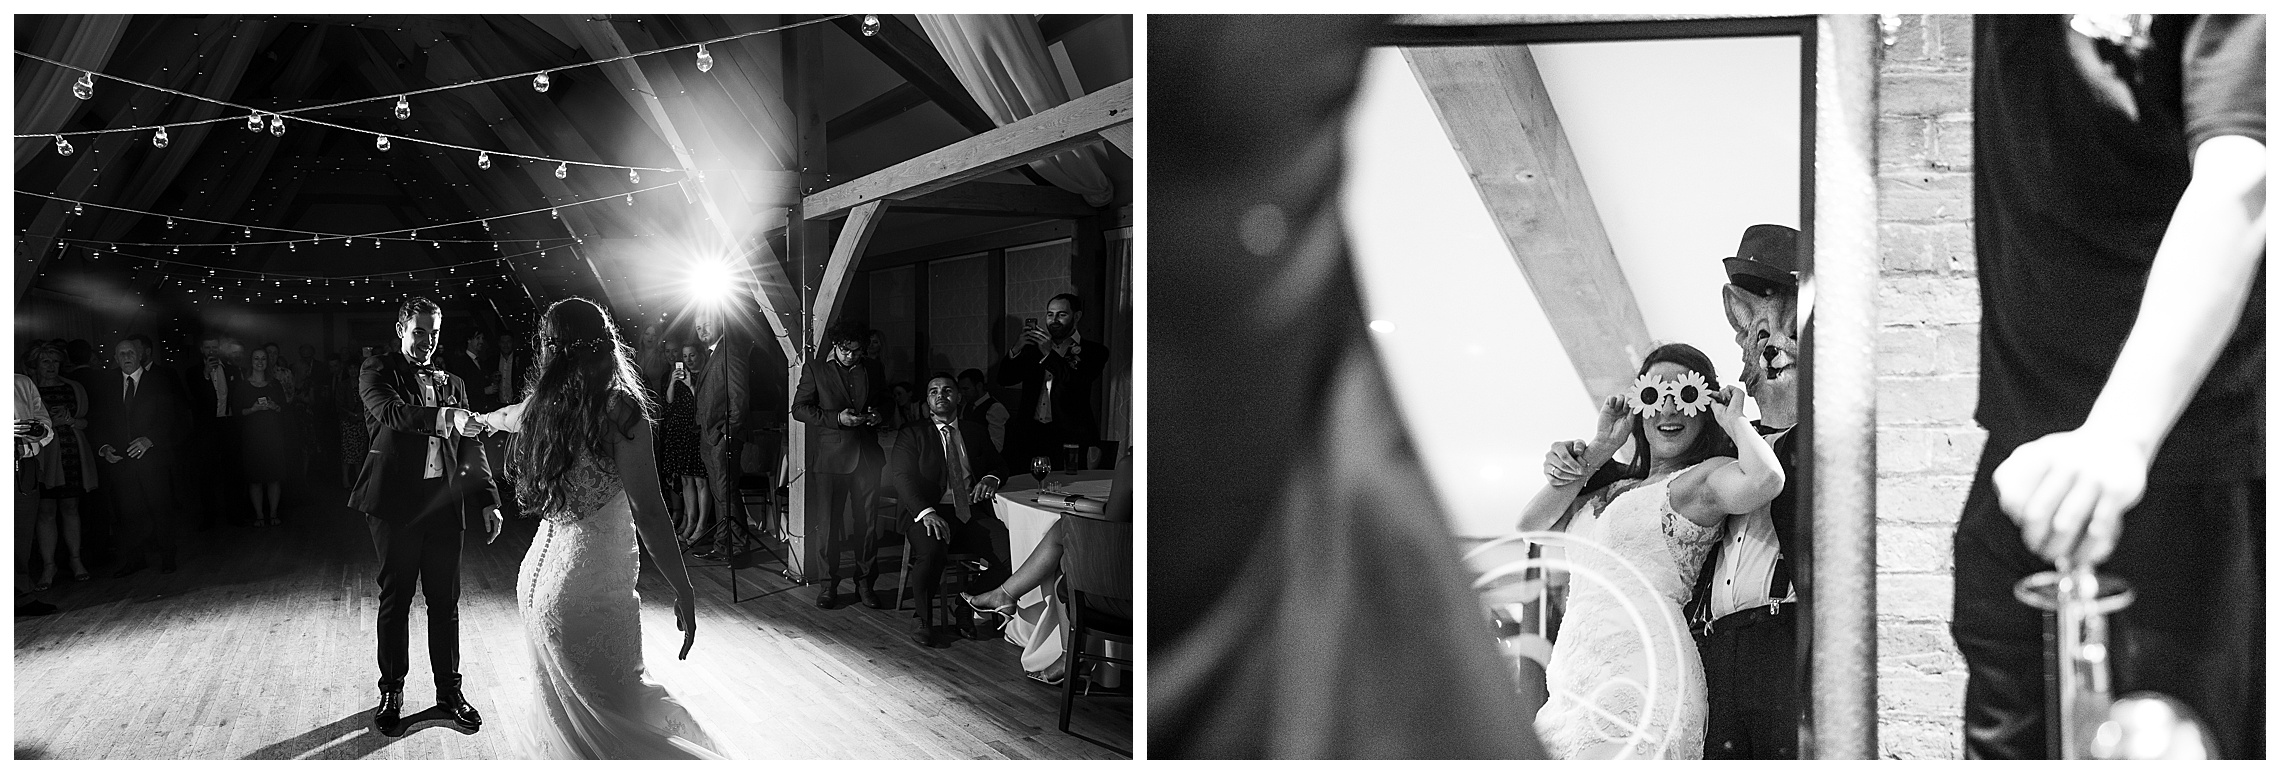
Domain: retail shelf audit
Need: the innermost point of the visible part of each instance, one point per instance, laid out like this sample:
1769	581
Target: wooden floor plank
262	647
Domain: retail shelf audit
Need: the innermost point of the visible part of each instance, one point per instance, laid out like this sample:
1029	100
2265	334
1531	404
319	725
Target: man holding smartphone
1056	369
838	396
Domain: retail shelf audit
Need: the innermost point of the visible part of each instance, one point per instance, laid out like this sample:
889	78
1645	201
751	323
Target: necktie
954	456
131	382
429	391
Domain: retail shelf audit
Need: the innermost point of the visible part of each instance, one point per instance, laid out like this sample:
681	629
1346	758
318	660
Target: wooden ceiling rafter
1492	103
773	291
1069	125
912	56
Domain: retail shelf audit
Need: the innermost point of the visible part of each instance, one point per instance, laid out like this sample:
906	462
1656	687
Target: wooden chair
1096	563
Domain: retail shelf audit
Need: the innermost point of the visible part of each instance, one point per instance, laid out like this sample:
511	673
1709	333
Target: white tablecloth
1037	623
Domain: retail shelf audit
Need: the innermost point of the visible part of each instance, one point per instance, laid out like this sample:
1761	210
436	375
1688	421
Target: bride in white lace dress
582	461
1695	460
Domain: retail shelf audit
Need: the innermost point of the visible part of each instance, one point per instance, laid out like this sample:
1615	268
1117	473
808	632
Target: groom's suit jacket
392	485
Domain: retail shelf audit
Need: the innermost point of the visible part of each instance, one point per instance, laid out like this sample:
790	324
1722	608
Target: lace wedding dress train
1598	675
582	619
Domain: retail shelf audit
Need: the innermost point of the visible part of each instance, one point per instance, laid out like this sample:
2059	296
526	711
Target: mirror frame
1837	268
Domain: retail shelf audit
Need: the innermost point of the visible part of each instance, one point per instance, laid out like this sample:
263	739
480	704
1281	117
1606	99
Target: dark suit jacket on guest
1073	380
475	374
825	388
919	471
202	392
158	412
390	486
721	396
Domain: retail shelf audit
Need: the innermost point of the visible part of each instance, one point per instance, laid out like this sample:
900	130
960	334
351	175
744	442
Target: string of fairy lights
274	121
317	238
216	282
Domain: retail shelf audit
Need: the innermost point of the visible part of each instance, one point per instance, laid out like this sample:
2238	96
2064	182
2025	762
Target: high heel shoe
47	578
1005	611
78	571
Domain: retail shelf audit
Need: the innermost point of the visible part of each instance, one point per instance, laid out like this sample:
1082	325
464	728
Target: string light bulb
541	83
170	222
629	200
381	143
633	176
84	88
483	160
253	122
62	146
160	139
486	225
704	59
556	212
870	25
403	108
561	171
75	210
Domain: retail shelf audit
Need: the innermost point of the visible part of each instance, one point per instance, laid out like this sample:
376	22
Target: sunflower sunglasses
1689	391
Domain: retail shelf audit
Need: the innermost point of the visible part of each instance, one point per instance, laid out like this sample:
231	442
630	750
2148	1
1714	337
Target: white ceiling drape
1001	60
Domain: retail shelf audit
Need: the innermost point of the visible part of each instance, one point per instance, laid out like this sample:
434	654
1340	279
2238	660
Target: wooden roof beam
604	40
912	56
1492	103
1003	199
1068	125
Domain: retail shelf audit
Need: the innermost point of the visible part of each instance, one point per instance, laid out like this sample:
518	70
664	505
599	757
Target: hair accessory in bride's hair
596	344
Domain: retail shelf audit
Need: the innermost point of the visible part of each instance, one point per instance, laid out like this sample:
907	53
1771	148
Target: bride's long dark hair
584	398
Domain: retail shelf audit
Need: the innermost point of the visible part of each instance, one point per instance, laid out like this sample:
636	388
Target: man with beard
1056	369
945	473
838	396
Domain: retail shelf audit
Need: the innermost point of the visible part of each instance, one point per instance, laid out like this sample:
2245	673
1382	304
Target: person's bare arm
2067	491
637	472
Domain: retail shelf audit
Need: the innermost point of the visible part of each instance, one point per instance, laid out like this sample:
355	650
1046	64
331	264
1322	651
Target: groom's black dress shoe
453	703
388	718
828	598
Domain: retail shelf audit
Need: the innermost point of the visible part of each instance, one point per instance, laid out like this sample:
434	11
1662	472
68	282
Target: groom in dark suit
424	482
945	472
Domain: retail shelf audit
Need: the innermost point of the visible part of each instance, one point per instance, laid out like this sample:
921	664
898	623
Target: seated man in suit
945	473
141	422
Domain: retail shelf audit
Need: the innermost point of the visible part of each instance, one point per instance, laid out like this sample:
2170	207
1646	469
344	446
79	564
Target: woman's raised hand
1615	421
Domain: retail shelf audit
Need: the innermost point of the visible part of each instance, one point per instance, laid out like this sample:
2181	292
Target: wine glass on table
1042	466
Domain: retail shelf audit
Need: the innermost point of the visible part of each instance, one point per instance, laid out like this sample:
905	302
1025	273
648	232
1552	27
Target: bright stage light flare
711	283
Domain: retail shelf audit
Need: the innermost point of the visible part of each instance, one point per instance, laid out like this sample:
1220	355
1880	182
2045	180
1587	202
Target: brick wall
1928	361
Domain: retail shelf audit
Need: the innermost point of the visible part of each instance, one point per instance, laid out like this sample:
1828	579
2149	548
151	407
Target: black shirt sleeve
2224	79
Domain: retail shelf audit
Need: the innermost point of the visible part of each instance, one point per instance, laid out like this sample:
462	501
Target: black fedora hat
1766	258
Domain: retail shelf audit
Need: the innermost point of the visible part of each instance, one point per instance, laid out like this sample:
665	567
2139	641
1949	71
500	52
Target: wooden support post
839	274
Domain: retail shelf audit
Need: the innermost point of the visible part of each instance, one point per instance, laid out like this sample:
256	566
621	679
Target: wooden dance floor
262	647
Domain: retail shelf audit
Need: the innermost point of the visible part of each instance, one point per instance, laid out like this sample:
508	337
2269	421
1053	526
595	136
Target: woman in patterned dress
66	469
677	455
